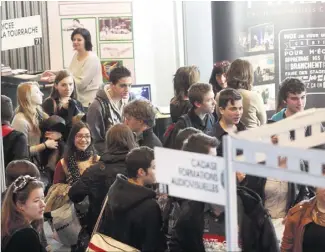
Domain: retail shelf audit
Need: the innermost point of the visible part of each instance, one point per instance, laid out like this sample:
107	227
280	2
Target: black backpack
168	141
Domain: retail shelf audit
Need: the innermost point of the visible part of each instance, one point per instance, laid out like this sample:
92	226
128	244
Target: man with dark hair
140	116
132	215
15	145
183	135
291	98
107	108
200	116
231	111
201	143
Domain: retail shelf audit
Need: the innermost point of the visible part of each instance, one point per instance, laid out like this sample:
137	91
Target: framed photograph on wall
116	50
68	25
115	28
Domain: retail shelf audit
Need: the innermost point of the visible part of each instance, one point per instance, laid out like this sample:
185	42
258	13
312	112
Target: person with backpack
170	206
107	108
200	116
200	227
15	145
132	215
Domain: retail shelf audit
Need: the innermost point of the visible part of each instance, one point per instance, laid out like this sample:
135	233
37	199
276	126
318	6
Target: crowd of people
87	150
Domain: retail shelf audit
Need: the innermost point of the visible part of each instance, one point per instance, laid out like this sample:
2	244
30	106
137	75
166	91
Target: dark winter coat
133	216
256	229
148	138
15	145
25	239
95	183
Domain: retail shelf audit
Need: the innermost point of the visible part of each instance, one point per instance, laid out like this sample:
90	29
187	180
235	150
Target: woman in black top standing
22	209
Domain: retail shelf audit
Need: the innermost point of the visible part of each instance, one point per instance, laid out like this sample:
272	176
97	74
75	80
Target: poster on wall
280	39
116	50
111	32
115	28
68	25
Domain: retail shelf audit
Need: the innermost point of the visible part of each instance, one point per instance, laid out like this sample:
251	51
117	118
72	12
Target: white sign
191	176
21	32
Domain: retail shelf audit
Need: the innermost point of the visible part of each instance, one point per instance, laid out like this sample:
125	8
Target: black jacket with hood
133	216
95	183
257	233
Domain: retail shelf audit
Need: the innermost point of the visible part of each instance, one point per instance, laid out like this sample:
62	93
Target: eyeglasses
124	85
80	137
21	182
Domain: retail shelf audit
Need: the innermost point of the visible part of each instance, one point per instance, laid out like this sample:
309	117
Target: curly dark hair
141	110
289	85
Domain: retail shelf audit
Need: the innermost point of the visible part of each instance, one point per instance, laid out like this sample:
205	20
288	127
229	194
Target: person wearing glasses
107	108
218	76
22	215
79	155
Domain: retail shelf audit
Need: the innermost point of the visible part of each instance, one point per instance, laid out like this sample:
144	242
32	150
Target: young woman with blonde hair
28	117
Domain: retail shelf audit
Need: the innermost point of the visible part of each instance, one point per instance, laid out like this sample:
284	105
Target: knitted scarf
73	169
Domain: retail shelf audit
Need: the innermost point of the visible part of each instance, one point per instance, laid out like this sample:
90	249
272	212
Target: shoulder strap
105	108
187	120
100	215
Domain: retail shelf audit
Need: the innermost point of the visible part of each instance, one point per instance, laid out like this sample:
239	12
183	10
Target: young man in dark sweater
140	116
231	111
200	115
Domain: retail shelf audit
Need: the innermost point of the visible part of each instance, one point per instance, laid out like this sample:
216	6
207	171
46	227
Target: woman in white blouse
85	67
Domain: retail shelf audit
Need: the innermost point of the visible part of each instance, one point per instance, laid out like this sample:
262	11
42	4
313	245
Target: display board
111	27
170	170
280	38
21	32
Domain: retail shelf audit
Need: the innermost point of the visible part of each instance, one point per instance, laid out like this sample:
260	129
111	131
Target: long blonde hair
26	106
